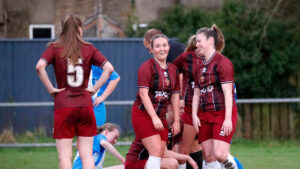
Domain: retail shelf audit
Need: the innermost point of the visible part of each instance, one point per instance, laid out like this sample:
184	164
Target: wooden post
265	123
247	121
284	120
292	124
239	128
275	118
256	121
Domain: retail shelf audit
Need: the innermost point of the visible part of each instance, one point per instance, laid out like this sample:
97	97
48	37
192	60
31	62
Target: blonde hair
191	43
107	126
70	38
216	33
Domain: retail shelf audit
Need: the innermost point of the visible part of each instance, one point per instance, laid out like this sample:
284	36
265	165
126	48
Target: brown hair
216	33
107	126
70	38
158	36
191	43
149	34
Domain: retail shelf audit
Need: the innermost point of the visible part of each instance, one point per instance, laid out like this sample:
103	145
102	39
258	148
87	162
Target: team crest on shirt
167	81
202	79
222	133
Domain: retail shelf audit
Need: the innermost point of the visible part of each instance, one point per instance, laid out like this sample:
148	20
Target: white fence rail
130	102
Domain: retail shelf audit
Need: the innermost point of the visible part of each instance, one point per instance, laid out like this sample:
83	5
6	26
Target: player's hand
192	162
181	106
227	126
91	90
196	123
175	128
54	91
98	100
157	123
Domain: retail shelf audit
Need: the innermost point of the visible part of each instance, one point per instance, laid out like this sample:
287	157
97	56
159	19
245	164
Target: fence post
247	121
265	121
256	121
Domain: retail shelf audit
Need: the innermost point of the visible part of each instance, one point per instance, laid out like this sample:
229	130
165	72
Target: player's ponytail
219	41
216	34
70	38
191	43
107	126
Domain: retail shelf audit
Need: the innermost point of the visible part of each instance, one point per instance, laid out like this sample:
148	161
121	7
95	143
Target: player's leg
210	161
86	129
85	148
154	148
169	163
188	138
64	149
197	157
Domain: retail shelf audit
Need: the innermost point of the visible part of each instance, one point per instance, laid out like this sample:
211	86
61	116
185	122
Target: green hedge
263	60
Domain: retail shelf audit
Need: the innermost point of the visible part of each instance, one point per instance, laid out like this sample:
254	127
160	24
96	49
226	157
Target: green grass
252	154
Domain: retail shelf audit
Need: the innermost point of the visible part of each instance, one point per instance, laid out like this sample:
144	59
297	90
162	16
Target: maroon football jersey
137	151
209	77
161	83
73	77
187	64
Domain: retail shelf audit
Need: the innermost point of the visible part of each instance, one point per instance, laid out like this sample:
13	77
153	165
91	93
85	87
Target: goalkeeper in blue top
103	93
108	135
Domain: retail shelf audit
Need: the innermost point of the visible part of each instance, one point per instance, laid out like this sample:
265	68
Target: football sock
182	166
153	162
213	165
197	157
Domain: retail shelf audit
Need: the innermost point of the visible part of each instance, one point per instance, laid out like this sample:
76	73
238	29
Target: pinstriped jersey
209	77
187	64
162	83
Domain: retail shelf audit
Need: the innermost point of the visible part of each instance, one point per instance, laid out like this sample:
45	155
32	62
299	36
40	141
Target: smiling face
160	48
203	43
112	136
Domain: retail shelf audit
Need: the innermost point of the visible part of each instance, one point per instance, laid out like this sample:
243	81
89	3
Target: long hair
107	126
70	38
216	33
191	44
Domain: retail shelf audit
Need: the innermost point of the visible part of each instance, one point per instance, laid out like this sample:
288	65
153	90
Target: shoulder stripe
45	60
103	63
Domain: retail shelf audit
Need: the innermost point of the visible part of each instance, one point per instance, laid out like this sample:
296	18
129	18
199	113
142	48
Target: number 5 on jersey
75	74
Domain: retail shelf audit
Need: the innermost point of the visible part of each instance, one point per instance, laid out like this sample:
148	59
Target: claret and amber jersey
187	64
74	78
209	77
162	83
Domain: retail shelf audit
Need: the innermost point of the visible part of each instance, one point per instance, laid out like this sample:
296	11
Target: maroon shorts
72	121
140	164
211	125
187	116
143	126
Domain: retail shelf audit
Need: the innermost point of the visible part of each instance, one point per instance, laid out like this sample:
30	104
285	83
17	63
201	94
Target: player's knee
209	157
156	151
221	155
172	163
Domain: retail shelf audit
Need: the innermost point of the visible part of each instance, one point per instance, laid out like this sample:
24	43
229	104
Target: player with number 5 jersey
72	59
